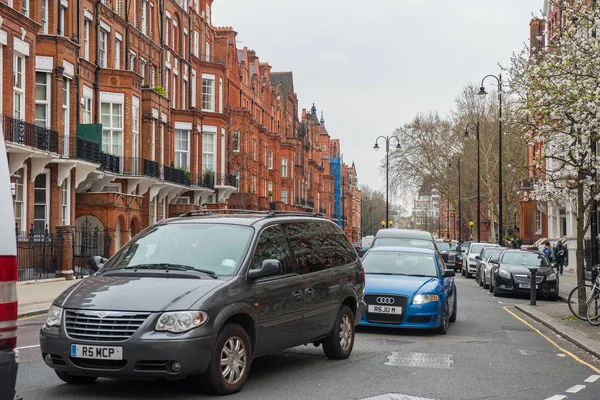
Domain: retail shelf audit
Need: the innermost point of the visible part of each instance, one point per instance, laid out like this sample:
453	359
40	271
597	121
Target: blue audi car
408	288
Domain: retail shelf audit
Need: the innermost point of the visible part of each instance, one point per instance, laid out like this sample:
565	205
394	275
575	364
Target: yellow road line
573	356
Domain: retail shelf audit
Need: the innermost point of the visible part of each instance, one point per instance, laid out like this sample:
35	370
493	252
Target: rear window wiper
168	266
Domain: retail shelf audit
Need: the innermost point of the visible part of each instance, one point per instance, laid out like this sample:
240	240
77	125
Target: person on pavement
547	250
559	253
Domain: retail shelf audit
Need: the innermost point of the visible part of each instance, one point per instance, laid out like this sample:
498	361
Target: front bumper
142	358
416	316
544	288
8	374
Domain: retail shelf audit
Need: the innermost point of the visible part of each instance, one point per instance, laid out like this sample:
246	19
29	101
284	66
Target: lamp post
476	125
459	201
482	92
387	140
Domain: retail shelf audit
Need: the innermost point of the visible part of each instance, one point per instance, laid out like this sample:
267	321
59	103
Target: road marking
573	356
557	397
420	360
523	352
575	389
592	379
28	347
561	355
394	396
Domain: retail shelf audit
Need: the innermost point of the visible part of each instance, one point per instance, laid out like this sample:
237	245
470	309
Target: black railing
175	175
322	210
88	150
310	203
39	256
229	180
151	168
28	134
111	163
272	205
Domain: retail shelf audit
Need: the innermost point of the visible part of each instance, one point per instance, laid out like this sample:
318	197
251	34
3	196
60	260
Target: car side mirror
449	273
478	258
495	264
268	268
96	262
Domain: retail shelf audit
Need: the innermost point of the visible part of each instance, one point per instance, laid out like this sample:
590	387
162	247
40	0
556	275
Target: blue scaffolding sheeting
336	171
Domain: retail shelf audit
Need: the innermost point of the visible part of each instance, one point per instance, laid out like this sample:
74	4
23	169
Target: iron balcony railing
88	150
227	180
28	134
310	203
205	180
175	175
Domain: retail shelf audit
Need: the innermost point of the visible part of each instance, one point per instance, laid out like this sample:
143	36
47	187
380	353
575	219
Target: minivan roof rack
269	213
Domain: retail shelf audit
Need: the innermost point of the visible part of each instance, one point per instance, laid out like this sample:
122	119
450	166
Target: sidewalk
35	297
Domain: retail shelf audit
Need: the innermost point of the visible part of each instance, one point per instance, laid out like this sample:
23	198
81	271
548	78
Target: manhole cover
420	360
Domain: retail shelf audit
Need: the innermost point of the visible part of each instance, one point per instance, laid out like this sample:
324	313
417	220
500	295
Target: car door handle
297	294
309	291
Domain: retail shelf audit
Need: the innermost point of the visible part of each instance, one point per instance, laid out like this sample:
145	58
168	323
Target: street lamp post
483	93
459	202
387	140
476	125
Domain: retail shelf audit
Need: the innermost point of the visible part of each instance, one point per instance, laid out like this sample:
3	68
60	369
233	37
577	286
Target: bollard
533	295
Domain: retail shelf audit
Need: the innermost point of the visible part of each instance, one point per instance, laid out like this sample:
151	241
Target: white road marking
28	347
561	355
592	379
575	389
523	352
557	397
394	396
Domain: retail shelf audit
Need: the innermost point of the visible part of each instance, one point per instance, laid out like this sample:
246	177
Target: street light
459	204
482	92
476	125
387	169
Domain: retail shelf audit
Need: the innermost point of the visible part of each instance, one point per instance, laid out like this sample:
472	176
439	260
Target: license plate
527	286
385	309
96	352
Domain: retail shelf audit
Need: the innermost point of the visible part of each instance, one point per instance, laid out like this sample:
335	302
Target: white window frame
45	103
115	133
538	222
88	97
207	52
63	14
46	220
167	30
44	16
209	131
102	50
22	181
66	108
196	43
25	7
153	211
86	38
208	99
135	129
182	153
194	94
117	53
208	14
65	189
153	148
19	87
144	16
284	196
270	159
132	60
284	167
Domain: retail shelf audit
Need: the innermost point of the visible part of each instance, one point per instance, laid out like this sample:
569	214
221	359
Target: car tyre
455	311
467	274
338	345
75	379
496	292
486	285
233	347
462	271
443	328
480	279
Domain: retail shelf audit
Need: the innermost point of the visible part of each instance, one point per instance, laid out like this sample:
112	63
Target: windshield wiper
175	267
421	276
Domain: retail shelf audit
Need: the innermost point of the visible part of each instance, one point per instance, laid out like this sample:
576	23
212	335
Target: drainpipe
190	34
127	7
78	89
97	71
161	28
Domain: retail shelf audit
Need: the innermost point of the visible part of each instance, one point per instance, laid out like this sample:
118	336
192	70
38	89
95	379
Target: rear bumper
8	374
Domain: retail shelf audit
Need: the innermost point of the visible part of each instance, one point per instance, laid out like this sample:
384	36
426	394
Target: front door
279	298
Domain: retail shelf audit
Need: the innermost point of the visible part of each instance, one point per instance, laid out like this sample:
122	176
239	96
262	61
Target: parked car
510	274
206	293
404	238
451	254
408	288
469	267
8	283
366	241
484	265
483	255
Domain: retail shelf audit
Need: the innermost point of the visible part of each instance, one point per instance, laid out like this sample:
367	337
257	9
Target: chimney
304	113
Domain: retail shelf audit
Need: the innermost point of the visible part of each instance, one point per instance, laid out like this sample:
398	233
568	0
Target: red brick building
118	114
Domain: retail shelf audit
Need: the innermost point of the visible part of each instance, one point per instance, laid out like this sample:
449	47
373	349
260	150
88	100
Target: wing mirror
96	262
268	268
449	273
478	258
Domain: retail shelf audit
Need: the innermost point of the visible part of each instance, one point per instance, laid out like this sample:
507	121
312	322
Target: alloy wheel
233	360
345	332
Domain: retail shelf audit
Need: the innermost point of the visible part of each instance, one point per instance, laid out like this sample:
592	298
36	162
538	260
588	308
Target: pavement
36	297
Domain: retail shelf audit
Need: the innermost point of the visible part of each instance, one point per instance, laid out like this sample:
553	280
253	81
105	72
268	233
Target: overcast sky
372	65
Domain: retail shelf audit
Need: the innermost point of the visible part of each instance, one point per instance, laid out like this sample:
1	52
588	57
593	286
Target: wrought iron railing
175	175
111	163
39	256
88	150
227	180
151	168
310	203
28	134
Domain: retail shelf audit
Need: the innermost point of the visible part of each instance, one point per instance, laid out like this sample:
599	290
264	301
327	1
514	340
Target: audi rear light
8	303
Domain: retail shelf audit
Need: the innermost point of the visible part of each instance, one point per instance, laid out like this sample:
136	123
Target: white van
366	242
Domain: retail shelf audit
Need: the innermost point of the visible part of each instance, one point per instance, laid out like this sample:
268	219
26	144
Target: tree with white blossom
556	90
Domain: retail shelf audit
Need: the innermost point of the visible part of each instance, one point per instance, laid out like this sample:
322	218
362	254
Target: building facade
117	114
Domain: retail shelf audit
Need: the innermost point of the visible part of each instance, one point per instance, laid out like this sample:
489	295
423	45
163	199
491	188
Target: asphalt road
487	354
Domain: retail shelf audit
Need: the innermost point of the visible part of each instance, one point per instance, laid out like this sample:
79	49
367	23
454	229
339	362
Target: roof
405	233
402	249
286	80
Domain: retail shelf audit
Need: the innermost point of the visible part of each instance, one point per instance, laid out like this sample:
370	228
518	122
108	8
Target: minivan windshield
215	248
403	242
399	263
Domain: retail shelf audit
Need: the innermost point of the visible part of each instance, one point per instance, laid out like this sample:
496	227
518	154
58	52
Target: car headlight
54	316
425	298
551	277
180	321
504	274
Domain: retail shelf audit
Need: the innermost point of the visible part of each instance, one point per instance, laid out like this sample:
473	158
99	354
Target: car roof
8	242
401	249
244	217
405	233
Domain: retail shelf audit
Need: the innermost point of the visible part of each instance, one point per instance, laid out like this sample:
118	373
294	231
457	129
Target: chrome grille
527	278
102	326
451	257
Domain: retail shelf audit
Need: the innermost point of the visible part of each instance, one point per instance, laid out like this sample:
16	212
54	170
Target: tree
372	210
557	94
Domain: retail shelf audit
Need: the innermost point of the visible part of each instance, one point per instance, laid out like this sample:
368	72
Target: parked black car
206	293
451	253
510	273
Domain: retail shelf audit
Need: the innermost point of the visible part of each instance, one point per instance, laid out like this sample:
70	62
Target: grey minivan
205	293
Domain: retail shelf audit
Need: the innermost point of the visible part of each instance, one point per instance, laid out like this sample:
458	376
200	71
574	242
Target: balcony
310	204
209	58
28	134
177	176
206	180
227	180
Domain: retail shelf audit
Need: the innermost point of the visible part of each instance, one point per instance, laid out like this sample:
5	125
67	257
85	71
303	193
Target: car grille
527	278
445	257
400	301
102	326
451	258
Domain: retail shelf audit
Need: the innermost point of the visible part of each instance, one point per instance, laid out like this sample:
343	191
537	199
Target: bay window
182	149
